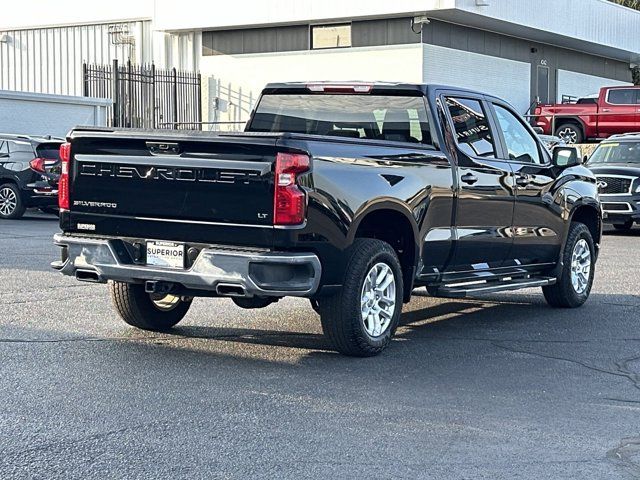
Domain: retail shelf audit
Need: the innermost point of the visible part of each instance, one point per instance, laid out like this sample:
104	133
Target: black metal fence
145	96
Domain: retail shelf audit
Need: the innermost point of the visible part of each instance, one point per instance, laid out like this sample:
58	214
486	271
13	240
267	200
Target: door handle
523	180
606	110
469	178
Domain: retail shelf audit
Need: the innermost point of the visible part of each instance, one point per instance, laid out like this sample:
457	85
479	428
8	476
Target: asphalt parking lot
495	388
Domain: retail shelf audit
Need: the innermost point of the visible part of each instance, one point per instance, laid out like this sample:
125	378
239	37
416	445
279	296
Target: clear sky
26	13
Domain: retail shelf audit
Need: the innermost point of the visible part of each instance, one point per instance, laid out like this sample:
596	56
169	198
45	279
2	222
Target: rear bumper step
217	271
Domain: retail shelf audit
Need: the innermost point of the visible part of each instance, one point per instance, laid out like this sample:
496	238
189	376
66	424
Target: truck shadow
496	318
309	341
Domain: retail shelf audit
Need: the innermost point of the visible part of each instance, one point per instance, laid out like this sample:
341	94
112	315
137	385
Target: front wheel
574	285
361	319
144	310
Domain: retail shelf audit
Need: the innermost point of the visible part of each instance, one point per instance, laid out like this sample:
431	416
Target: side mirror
538	130
564	157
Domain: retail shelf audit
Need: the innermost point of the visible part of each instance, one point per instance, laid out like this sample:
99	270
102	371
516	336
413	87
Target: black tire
136	307
563	294
341	313
11	204
623	227
570	133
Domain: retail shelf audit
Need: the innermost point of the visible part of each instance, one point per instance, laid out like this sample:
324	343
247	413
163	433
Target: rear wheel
11	205
570	133
144	310
574	285
623	227
362	317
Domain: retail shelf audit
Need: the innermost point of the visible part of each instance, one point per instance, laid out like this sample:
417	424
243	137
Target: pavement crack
617	373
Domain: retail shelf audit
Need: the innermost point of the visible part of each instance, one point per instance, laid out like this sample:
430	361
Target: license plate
165	254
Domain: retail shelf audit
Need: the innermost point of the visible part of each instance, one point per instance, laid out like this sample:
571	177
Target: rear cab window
363	116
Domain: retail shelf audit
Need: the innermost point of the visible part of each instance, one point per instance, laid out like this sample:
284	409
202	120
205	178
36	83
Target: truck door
484	210
537	220
618	111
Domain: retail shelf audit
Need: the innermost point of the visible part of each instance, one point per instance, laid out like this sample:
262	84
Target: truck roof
378	86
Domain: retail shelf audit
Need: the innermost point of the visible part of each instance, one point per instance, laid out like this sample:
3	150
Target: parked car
29	172
614	111
616	165
351	195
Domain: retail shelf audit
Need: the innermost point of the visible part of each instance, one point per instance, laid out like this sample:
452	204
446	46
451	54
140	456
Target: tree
628	3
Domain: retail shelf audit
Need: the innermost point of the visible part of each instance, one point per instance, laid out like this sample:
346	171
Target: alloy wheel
568	135
378	299
580	266
165	302
8	201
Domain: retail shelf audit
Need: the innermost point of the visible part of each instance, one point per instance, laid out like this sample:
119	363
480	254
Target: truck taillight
290	201
63	183
537	111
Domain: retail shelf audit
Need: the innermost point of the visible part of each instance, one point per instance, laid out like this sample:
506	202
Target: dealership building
517	49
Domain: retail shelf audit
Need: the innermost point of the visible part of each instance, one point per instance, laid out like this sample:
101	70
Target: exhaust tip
88	276
230	290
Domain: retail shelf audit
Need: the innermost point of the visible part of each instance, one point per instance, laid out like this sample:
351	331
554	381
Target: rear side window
4	149
376	117
622	96
50	151
20	146
472	127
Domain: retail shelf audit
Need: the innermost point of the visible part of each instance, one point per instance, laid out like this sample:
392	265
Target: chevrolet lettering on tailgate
180	174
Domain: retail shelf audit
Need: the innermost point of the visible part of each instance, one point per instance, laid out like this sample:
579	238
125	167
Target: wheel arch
588	213
393	223
572	120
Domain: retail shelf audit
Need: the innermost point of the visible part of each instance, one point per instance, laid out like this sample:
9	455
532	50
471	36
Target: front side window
472	128
622	96
376	117
330	36
521	145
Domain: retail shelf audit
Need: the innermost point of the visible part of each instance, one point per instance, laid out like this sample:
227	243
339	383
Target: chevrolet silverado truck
615	110
349	195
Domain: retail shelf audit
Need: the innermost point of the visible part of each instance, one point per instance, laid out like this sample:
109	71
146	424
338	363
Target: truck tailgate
170	179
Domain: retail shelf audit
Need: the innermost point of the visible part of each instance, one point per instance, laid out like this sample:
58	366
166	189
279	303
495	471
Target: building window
330	36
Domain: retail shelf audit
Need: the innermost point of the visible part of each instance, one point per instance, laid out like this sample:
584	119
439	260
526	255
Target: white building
517	49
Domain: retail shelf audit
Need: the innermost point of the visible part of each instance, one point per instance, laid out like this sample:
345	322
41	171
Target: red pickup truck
615	110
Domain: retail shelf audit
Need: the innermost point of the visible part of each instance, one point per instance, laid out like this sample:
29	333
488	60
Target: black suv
29	173
616	164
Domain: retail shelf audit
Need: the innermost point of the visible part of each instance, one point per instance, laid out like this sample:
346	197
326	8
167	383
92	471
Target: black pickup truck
351	195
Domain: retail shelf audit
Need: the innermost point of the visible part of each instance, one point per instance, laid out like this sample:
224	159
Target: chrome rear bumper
225	272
